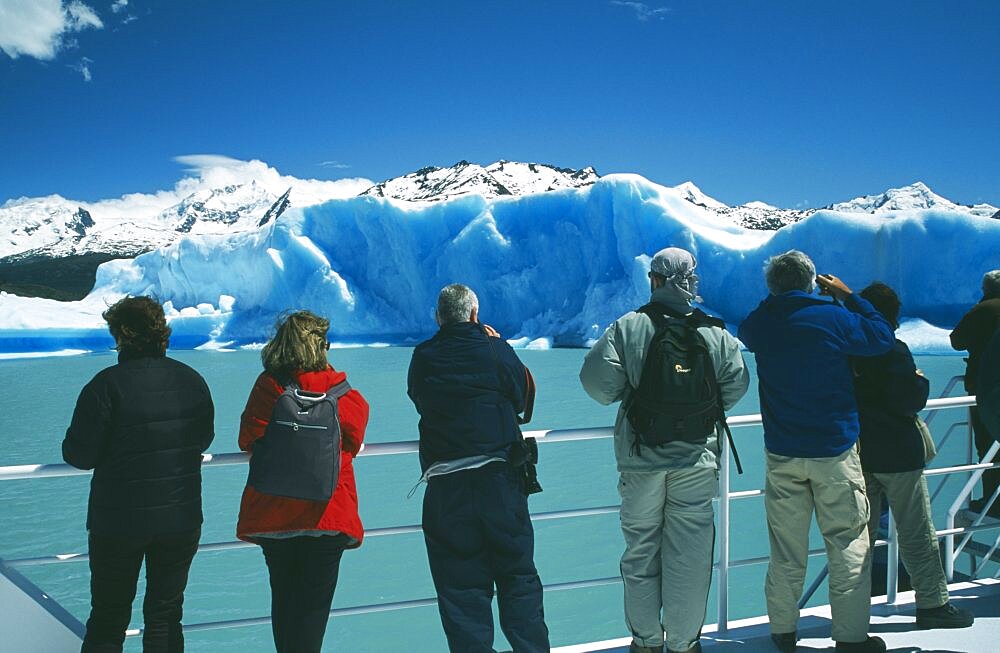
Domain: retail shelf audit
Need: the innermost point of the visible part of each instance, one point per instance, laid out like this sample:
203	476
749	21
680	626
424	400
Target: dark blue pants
478	536
114	570
303	573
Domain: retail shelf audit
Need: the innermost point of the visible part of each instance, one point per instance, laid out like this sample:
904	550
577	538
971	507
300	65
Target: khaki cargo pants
835	489
918	543
669	528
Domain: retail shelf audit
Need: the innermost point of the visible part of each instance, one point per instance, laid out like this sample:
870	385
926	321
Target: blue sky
793	103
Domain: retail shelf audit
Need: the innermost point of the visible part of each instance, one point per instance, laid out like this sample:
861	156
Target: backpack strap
339	390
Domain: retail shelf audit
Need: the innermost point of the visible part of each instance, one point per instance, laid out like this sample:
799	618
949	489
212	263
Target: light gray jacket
612	368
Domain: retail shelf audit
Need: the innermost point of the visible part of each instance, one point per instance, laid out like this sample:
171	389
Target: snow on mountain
223	196
558	266
693	194
764	206
503	178
760	215
916	196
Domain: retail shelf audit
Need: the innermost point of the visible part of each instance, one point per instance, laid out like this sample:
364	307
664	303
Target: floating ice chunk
205	308
226	303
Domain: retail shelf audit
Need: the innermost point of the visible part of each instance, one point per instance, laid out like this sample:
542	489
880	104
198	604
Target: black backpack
678	396
299	455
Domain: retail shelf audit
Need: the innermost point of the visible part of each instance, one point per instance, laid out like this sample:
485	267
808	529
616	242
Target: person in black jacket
988	389
890	392
142	426
468	386
973	333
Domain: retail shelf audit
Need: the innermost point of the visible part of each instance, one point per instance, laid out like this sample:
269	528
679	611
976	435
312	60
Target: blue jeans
114	571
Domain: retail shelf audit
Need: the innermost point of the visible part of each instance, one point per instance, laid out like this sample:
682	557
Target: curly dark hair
885	300
138	326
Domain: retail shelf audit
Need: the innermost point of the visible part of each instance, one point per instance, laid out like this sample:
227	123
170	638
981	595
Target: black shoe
785	641
870	645
945	616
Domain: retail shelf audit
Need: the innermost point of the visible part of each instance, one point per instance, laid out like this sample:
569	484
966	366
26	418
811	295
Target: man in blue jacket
803	346
469	386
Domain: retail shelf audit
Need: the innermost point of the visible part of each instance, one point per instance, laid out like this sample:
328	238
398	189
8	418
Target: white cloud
38	28
83	67
119	5
643	11
334	164
216	170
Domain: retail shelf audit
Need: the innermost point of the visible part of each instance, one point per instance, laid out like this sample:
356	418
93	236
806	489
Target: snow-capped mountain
762	216
54	227
914	196
503	178
693	194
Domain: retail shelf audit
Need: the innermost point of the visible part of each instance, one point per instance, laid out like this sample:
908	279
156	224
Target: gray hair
455	304
792	270
991	284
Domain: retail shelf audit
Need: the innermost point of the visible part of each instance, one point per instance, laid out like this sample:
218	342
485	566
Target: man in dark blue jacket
468	386
803	346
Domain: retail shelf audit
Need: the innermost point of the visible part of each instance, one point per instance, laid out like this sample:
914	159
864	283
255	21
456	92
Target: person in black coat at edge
891	391
468	386
973	333
142	426
988	391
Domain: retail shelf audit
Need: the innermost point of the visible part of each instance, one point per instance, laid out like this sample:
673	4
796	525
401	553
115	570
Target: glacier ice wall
560	265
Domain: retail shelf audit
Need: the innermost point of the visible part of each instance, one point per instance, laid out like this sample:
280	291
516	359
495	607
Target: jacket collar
669	297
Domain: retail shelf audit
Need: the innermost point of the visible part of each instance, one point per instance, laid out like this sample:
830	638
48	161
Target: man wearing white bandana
667	517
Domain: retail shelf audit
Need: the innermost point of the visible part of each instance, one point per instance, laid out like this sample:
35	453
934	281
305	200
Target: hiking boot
945	616
870	645
694	648
785	641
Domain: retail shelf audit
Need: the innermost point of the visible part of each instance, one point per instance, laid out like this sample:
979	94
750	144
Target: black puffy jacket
142	426
468	389
890	393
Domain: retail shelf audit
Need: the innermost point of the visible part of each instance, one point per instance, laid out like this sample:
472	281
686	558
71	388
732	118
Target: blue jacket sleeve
90	429
864	331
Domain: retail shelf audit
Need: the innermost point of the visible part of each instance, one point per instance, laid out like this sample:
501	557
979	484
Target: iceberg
551	269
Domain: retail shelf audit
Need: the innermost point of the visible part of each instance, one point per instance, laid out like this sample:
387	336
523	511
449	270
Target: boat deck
893	623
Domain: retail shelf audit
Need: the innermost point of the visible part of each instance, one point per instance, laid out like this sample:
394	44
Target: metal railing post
950	552
723	592
892	562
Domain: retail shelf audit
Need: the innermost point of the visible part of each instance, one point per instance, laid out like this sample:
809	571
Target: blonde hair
299	344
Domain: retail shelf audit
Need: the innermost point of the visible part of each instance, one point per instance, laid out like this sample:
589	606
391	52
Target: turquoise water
46	516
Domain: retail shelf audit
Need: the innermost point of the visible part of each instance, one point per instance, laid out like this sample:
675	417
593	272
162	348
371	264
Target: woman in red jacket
302	540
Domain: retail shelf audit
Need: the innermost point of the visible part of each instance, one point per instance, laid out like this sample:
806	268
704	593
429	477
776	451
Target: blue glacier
552	268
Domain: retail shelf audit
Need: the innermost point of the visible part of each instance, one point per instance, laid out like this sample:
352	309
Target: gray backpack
299	455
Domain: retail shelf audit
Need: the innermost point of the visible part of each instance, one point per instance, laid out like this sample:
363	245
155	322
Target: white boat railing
722	565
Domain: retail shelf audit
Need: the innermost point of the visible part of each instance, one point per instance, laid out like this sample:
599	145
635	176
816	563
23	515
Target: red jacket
263	513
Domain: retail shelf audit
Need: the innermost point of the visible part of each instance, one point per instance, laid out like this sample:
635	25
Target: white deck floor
894	624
